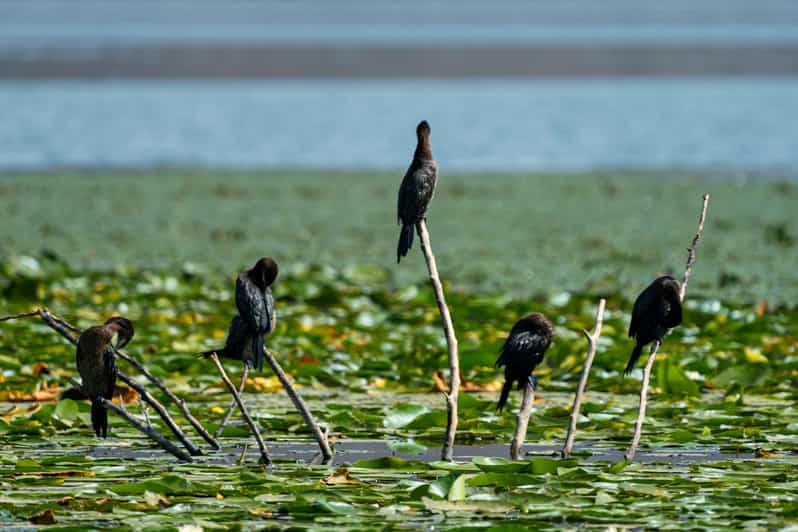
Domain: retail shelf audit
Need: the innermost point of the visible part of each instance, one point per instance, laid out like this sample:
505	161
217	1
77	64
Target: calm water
493	124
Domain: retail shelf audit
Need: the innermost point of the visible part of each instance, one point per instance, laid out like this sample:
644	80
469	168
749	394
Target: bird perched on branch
256	304
238	344
416	190
657	309
97	366
523	350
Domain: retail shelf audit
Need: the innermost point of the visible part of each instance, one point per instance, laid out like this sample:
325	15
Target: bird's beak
122	339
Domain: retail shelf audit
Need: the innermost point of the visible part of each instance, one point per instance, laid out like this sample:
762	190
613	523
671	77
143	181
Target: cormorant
97	366
238	345
657	309
416	190
256	304
522	351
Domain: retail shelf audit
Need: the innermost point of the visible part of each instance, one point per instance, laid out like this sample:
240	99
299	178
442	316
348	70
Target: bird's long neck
423	148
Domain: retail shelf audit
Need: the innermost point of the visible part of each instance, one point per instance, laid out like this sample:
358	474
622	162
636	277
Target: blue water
489	125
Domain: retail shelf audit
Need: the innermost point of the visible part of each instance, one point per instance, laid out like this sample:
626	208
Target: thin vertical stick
451	341
522	421
688	269
149	431
592	344
232	406
264	452
304	411
641	410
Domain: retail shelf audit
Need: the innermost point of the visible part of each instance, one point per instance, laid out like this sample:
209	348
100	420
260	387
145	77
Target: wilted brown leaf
340	477
45	517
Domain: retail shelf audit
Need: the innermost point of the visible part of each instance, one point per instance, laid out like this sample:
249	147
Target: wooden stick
167	419
21	315
232	405
181	405
65	329
688	268
592	344
451	341
156	436
264	452
522	421
304	411
641	410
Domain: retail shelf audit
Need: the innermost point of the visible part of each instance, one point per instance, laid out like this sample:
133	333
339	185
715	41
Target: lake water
734	124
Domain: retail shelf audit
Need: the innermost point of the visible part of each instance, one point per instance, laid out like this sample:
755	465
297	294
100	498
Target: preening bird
657	309
97	366
523	350
238	345
256	305
416	190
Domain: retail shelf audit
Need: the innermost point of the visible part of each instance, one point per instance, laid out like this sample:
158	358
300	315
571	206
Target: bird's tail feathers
258	352
508	385
633	359
405	242
99	418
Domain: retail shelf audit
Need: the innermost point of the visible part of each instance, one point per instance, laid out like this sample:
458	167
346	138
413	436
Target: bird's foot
533	381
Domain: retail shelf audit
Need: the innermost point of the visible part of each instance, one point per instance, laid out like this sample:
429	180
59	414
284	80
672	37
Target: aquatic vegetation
719	446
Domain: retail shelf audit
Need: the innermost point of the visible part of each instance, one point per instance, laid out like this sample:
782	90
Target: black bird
522	351
416	190
256	304
657	309
238	345
97	366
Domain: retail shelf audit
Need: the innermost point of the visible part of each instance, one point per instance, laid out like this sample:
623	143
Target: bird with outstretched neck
657	309
523	350
256	307
416	189
97	366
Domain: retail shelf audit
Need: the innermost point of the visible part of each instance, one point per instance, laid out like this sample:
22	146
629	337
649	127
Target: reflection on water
501	125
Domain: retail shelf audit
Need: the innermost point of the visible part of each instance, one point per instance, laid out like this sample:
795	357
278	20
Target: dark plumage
416	190
256	304
523	351
238	345
97	366
657	309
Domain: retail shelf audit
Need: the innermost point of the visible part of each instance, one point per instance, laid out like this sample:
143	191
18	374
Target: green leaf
407	447
403	415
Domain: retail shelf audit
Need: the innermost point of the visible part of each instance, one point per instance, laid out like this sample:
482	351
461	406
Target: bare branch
522	421
592	344
264	452
181	405
66	330
217	434
21	315
321	436
161	409
451	341
149	431
688	269
641	411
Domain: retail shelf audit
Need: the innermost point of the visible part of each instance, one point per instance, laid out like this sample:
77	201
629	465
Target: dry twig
264	452
522	421
652	354
592	344
451	341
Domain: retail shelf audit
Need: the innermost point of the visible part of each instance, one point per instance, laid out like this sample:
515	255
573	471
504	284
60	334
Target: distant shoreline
199	61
